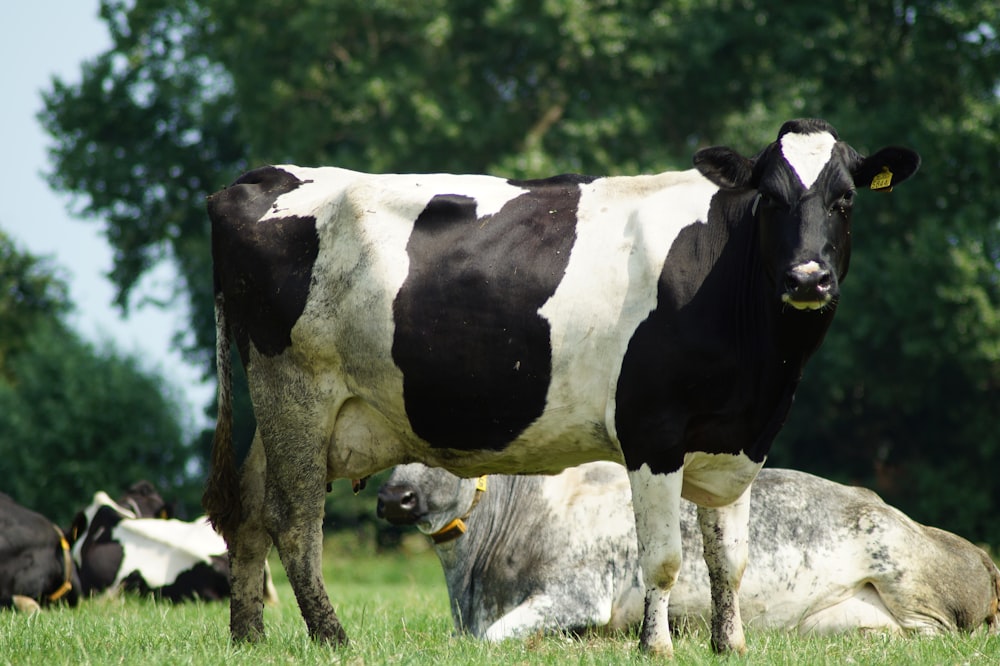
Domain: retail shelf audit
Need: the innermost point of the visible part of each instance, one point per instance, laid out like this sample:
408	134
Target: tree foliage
902	395
75	419
30	294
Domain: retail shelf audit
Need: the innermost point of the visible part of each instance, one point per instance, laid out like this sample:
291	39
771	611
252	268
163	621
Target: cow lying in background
120	548
544	553
35	564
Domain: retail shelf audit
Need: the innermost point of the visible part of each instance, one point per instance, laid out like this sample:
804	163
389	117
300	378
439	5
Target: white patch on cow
161	549
717	479
625	228
807	268
807	154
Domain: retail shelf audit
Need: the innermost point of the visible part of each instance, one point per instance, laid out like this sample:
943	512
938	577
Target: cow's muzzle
399	504
809	286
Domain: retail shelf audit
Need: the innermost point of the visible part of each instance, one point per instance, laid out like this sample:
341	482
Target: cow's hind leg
248	552
295	495
725	534
656	500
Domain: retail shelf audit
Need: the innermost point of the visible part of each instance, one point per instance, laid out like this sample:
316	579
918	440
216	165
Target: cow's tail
221	499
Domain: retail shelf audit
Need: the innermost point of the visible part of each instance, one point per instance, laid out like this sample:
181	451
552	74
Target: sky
46	38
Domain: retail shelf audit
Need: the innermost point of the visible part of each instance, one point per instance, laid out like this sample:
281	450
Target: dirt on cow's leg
248	552
300	547
725	532
656	500
294	505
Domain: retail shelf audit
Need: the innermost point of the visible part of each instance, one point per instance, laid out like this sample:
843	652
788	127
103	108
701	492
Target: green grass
395	610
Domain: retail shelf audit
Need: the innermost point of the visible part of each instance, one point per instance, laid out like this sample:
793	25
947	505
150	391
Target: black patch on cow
475	353
100	554
715	365
263	269
31	557
208	582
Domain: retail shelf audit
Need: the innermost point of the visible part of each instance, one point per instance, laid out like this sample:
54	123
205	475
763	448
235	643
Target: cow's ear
724	167
886	168
78	527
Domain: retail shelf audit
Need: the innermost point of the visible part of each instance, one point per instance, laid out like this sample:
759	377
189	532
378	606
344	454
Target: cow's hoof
724	648
25	604
660	651
250	634
336	639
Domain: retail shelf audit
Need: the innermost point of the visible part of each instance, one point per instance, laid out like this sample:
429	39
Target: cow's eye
843	203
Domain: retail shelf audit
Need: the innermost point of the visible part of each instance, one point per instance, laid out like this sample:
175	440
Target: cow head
145	501
430	498
804	186
140	500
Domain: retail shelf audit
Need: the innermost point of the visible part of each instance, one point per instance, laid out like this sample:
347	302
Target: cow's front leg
656	500
248	552
725	534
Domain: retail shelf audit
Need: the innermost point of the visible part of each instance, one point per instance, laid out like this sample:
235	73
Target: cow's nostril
408	500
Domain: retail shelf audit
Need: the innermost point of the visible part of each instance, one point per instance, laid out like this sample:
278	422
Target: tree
30	293
194	91
75	419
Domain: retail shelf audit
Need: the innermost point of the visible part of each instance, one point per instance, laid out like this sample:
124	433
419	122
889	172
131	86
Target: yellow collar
456	527
67	568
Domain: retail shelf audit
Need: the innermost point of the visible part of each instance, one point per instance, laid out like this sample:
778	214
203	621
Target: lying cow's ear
724	167
886	168
77	528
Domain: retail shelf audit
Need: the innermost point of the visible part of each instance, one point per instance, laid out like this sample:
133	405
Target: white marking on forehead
807	154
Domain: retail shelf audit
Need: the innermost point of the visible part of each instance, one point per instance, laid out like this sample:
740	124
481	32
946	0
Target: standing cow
663	321
523	554
35	564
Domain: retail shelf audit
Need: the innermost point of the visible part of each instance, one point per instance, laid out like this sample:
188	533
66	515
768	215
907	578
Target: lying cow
116	548
35	564
531	553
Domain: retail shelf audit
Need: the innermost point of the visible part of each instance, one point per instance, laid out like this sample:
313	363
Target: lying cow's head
805	184
140	500
430	498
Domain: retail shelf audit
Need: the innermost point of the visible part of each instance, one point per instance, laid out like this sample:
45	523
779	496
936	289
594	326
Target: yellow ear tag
481	484
882	182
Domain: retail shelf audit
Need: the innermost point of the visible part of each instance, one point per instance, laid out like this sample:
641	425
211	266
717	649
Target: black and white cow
523	554
117	548
523	326
35	564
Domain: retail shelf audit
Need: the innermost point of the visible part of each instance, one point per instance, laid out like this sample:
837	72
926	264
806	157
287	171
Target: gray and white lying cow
120	548
533	553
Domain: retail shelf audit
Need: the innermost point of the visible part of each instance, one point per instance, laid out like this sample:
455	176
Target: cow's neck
500	524
774	339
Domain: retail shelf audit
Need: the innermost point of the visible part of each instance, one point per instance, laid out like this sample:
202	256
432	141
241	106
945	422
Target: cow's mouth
817	304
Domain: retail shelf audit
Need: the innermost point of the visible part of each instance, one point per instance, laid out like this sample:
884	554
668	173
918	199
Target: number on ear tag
882	182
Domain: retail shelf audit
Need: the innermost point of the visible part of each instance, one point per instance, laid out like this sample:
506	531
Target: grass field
395	610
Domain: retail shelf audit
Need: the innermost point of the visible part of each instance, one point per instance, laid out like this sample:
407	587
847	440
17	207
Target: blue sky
46	38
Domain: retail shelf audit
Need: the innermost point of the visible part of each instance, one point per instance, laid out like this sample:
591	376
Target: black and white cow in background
523	554
35	564
118	546
487	325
